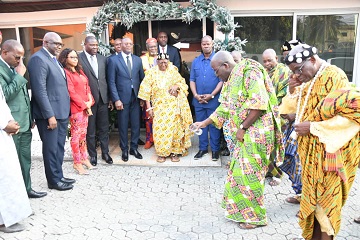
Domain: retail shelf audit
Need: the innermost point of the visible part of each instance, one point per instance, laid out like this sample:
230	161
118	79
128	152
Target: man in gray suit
125	73
94	66
51	108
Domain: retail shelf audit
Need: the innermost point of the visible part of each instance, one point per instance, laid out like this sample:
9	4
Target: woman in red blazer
81	101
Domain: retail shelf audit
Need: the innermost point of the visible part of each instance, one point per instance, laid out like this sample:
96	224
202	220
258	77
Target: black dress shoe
34	194
61	186
136	153
93	160
68	180
225	152
107	158
125	156
200	154
140	142
215	156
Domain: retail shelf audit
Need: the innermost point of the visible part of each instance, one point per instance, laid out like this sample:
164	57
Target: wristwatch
242	127
212	96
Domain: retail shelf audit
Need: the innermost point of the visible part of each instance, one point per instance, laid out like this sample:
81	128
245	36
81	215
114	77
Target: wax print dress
172	115
248	87
326	177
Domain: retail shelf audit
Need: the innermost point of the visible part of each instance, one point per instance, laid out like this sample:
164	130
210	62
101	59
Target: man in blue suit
125	73
51	108
173	52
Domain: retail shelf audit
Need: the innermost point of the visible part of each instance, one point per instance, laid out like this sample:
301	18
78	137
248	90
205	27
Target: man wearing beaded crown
328	143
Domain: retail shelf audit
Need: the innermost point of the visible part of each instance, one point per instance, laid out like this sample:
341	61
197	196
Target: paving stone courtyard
169	202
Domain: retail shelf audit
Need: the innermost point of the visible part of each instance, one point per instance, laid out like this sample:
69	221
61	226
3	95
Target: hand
199	125
302	129
52	123
12	127
88	104
240	135
111	105
151	113
33	124
21	69
119	105
202	99
174	90
293	83
142	103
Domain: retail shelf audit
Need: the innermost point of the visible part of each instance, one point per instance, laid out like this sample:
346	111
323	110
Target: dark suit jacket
50	96
119	79
98	86
174	55
17	97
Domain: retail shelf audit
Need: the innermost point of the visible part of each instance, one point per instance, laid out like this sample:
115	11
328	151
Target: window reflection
333	35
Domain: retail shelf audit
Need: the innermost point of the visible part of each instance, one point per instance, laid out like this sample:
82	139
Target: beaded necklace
300	112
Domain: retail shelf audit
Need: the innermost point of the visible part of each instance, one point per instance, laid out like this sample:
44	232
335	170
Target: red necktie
163	48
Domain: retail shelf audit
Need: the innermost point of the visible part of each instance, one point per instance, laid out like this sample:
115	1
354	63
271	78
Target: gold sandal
161	159
174	157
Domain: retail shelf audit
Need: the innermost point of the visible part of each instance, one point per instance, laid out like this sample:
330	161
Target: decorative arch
129	12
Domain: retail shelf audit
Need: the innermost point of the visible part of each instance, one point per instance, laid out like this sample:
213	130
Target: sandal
248	226
275	181
174	158
161	159
294	200
357	220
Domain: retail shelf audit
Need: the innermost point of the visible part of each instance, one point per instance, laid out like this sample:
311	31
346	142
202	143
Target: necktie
13	70
59	66
128	64
94	65
163	49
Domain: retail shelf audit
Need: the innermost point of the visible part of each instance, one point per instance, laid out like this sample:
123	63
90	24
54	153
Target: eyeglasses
18	57
73	57
58	44
216	71
299	70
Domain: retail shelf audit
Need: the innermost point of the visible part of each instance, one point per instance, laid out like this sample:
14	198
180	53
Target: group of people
275	118
321	137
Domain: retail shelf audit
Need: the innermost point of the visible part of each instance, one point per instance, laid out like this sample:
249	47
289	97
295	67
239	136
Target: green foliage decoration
129	12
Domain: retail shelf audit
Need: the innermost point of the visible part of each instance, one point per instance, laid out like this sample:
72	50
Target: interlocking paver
136	203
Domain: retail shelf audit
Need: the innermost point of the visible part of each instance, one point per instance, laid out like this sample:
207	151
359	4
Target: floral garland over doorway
129	12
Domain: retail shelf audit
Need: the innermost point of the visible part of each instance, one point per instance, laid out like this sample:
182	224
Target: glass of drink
194	129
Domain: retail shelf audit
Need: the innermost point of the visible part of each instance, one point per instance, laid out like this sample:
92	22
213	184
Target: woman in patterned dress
167	91
81	101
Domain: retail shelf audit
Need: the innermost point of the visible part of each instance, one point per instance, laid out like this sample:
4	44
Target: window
263	32
333	35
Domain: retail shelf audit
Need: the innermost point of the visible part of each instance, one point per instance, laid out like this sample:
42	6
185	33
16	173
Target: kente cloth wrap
279	76
291	165
248	87
172	115
325	188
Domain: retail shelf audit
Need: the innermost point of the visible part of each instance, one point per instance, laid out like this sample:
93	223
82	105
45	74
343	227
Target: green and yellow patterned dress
248	87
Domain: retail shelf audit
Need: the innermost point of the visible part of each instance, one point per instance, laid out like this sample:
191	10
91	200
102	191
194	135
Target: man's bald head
11	45
236	56
53	43
223	63
270	60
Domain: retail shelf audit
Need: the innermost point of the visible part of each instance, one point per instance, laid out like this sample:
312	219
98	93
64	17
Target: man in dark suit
13	83
94	66
51	108
173	52
125	72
